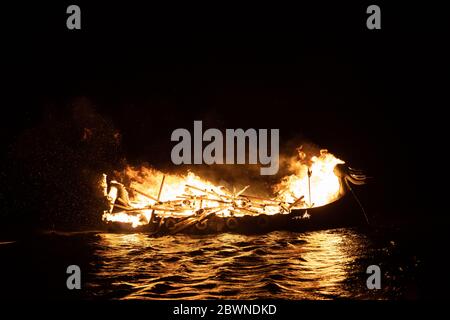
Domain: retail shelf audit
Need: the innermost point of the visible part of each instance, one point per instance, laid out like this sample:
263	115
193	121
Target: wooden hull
343	212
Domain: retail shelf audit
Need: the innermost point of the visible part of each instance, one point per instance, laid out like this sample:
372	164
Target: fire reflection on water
314	265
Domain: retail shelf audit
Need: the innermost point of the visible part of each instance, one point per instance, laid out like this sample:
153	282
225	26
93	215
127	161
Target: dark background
313	71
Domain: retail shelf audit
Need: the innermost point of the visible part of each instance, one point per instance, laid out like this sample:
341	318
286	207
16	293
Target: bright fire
320	188
151	190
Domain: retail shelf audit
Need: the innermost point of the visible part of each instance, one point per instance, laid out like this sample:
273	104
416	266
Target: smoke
53	167
235	177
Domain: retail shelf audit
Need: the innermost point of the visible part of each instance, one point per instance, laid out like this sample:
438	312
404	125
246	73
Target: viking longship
320	197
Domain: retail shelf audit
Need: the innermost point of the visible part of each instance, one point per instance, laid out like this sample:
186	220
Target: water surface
315	265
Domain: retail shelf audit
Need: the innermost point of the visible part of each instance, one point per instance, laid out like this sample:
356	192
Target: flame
320	188
181	195
140	219
152	191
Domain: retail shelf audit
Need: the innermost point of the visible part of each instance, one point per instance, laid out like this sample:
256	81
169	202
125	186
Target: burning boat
313	197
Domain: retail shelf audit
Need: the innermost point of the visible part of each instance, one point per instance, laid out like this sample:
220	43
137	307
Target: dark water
329	264
316	265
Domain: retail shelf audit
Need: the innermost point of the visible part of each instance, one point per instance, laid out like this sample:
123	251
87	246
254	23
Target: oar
357	200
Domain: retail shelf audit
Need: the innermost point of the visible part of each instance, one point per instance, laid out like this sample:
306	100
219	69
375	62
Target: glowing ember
153	192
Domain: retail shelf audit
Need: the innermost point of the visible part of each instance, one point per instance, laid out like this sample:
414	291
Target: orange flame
183	195
320	188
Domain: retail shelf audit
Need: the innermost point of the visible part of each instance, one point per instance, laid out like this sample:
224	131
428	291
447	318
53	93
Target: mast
309	186
159	195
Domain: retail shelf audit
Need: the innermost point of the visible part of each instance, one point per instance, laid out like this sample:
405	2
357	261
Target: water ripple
314	265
